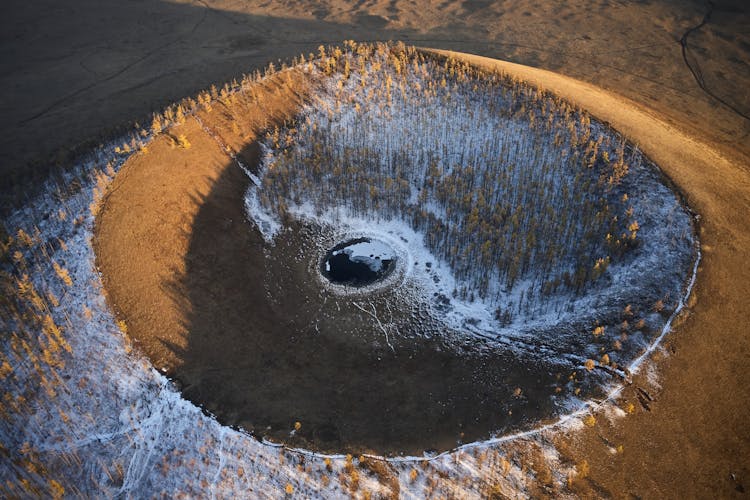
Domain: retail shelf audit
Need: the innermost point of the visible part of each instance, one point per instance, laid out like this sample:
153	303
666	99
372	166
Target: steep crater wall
240	321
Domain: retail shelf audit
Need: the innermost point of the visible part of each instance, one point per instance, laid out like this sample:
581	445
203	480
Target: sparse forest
508	184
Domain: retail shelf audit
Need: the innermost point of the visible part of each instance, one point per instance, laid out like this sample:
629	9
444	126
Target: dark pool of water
358	262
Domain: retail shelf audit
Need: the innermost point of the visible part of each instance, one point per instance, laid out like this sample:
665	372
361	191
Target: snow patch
372	253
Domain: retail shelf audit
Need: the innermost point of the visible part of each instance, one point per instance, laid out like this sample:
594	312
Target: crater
423	254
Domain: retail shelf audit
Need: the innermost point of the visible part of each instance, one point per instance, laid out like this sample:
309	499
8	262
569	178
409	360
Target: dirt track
72	70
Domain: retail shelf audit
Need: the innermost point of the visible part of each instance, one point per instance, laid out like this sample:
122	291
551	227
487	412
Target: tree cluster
508	184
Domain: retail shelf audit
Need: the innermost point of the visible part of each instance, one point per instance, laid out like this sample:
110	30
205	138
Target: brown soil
146	226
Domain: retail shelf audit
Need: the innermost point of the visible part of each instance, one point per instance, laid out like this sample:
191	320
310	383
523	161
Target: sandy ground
69	71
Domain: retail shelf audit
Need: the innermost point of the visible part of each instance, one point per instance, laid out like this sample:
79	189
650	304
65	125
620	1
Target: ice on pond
370	252
358	262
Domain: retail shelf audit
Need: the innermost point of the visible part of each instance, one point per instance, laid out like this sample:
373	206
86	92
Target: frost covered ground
101	420
85	414
518	219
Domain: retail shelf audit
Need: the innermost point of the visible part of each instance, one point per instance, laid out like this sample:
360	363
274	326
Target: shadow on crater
262	355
